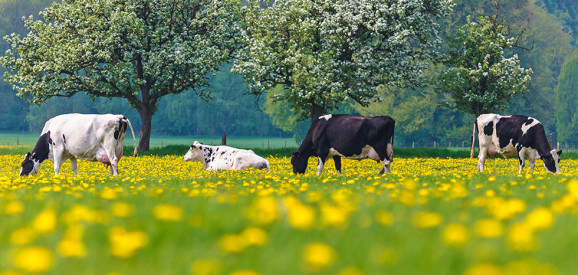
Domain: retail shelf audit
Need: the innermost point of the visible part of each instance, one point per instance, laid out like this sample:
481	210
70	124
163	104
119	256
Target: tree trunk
146	115
316	112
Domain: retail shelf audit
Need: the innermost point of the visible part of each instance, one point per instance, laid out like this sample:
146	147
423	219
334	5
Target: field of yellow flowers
166	216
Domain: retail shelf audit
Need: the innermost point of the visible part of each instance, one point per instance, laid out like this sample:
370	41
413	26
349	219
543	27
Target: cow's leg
73	165
337	160
113	162
532	156
521	155
58	159
482	157
532	164
386	166
320	166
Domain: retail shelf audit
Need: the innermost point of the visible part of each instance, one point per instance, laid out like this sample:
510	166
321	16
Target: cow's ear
559	153
193	147
295	154
27	157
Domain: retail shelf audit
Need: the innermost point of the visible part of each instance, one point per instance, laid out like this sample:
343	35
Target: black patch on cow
222	153
529	121
213	159
121	129
42	148
27	165
489	129
63	138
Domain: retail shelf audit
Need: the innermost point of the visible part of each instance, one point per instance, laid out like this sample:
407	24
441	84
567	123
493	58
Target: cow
348	136
89	137
514	135
224	157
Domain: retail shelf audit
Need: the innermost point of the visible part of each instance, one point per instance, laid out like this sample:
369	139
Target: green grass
369	223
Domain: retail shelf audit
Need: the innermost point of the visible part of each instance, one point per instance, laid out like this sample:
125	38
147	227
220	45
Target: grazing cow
79	136
511	135
224	157
349	136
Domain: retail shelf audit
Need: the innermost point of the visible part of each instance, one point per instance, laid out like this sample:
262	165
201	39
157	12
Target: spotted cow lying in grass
224	157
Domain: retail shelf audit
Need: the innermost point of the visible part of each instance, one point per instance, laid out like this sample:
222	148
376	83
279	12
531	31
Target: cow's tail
473	138
134	154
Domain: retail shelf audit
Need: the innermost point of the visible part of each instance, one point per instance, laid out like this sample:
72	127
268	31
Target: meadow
165	216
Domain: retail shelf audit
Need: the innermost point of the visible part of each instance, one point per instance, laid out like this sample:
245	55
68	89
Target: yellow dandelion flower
427	219
45	221
206	267
71	248
22	236
12	208
254	236
122	210
489	228
318	256
455	235
540	219
167	212
483	269
521	238
384	218
244	272
232	243
124	243
350	271
300	216
263	210
333	215
33	259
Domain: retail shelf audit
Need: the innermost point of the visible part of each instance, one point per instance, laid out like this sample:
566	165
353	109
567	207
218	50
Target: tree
567	100
325	52
140	50
479	78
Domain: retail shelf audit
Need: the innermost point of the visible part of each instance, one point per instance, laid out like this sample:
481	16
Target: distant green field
243	142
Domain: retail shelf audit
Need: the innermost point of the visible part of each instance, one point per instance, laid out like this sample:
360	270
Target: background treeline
550	27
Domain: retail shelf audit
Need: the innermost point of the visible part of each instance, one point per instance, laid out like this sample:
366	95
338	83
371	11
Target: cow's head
195	152
299	162
551	161
29	166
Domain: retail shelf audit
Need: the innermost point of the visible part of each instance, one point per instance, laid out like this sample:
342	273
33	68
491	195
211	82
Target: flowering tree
479	77
323	52
140	50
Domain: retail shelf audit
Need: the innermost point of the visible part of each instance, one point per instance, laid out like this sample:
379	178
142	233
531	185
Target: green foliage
480	79
567	10
567	101
551	46
326	52
138	50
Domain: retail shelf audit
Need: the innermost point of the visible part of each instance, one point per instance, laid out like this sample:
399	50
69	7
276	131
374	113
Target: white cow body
224	157
80	136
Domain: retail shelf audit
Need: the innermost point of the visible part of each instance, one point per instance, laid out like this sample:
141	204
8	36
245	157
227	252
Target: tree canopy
324	52
480	78
137	50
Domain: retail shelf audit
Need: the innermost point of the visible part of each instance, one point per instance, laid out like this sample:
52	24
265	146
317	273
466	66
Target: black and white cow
224	157
514	135
79	136
349	136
